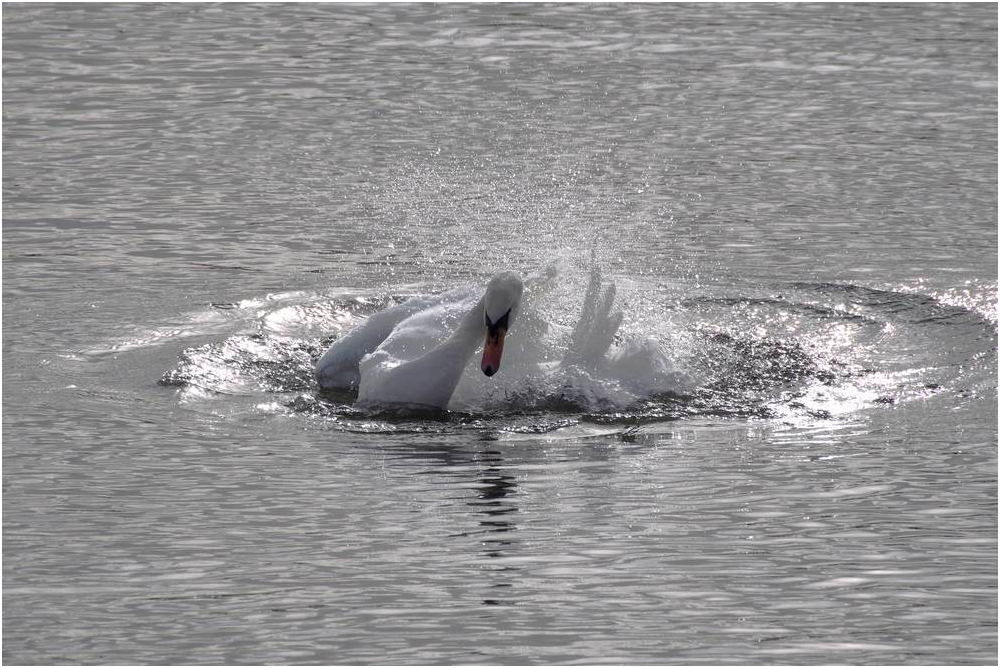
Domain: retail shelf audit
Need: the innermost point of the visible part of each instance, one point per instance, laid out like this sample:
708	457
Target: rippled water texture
798	203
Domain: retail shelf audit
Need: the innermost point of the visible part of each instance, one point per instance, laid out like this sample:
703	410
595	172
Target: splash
809	352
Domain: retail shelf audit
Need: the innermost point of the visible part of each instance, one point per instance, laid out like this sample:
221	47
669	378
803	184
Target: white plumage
415	353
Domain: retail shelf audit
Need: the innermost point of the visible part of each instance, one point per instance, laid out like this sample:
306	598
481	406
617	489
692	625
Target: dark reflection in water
497	503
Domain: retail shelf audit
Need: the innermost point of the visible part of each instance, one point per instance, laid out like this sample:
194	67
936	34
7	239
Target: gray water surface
799	202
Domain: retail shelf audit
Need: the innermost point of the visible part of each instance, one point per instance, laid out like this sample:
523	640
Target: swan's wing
419	363
420	332
597	326
338	368
428	380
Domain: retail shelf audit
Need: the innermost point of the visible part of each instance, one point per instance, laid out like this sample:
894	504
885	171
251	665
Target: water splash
811	352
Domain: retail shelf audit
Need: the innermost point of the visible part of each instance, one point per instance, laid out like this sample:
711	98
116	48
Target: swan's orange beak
492	350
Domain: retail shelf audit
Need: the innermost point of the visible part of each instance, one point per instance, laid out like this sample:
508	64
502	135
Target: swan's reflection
494	504
493	507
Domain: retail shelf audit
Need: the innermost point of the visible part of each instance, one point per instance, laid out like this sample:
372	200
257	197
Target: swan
416	353
391	359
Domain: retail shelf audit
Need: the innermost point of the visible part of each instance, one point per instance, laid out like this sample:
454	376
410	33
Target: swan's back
421	332
339	367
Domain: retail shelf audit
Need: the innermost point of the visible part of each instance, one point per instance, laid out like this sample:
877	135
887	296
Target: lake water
799	202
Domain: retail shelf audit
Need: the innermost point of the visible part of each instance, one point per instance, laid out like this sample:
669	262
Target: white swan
394	358
415	353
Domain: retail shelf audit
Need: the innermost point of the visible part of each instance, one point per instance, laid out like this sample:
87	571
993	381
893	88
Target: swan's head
500	307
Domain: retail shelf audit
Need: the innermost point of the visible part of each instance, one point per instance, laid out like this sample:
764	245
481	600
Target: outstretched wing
598	324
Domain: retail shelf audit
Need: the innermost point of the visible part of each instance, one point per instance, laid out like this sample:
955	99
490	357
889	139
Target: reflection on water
493	503
499	521
799	204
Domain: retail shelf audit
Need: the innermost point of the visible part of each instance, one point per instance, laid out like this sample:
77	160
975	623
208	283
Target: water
800	203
